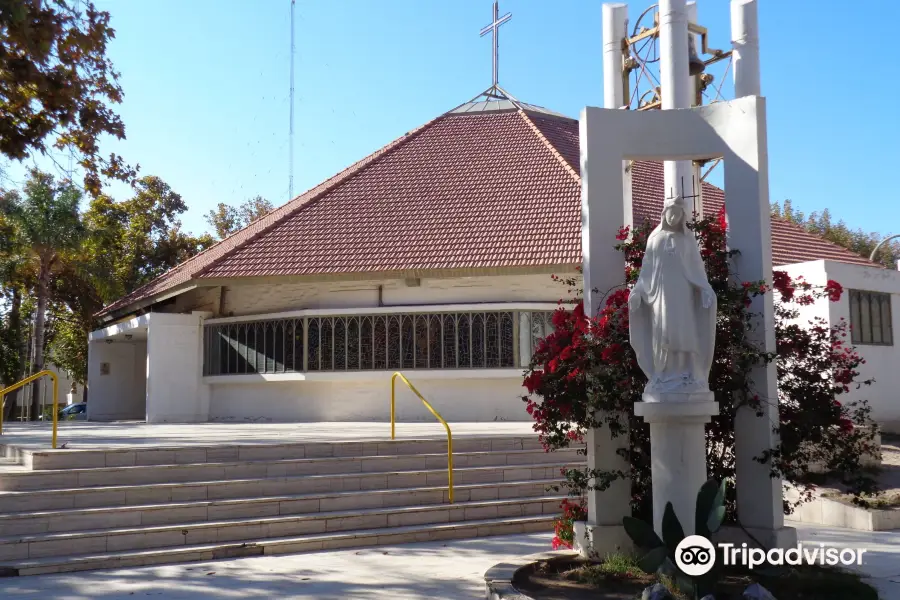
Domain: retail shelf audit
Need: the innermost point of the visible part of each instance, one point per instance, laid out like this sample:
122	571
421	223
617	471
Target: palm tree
48	223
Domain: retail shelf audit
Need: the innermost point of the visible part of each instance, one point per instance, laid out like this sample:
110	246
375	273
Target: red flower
623	233
610	352
722	219
782	282
533	381
560	318
834	290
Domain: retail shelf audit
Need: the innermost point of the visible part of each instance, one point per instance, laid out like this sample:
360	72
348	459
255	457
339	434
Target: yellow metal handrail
439	418
26	381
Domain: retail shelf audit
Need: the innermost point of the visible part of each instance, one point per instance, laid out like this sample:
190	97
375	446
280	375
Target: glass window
440	340
870	318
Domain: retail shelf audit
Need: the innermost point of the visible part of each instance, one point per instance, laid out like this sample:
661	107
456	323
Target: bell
695	63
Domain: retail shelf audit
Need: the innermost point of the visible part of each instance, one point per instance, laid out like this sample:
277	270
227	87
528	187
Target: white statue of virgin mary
672	309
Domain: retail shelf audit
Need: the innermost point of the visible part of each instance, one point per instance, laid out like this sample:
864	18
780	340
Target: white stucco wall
367	396
882	362
368	399
120	393
254	298
175	390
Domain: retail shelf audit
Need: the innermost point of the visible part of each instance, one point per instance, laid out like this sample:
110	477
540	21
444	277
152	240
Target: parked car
73	412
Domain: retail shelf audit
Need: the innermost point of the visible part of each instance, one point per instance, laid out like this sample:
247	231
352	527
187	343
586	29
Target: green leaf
653	560
641	533
706	500
715	519
672	530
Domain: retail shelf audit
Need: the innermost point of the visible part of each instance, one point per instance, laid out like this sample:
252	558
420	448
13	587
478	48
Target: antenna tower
291	129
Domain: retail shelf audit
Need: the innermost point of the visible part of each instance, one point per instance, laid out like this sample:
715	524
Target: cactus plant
659	554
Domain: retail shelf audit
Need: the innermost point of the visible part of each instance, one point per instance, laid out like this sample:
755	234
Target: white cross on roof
494	28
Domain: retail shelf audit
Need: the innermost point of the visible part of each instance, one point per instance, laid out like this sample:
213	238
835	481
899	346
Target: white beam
692	17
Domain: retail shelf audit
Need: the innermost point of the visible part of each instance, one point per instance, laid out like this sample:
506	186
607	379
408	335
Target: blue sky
206	88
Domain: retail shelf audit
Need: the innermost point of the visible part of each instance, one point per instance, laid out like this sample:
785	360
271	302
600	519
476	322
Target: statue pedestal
677	450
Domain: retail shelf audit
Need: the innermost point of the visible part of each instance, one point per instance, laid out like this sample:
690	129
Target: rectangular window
870	318
440	340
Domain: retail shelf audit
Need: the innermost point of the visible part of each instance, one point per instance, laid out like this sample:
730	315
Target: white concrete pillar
745	48
603	269
759	496
615	20
175	389
675	84
691	9
615	29
677	454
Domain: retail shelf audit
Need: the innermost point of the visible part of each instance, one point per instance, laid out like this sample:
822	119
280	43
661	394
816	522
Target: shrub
584	374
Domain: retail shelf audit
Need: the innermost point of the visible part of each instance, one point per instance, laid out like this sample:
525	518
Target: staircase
75	510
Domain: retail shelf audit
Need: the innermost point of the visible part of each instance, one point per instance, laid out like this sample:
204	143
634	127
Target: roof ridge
549	145
284	211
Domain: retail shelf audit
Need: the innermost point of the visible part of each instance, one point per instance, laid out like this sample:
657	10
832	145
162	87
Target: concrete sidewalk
439	570
442	570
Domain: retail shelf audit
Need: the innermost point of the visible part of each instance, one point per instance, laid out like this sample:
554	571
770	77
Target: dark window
870	318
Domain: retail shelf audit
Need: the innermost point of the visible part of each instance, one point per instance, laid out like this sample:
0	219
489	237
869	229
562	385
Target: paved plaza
434	570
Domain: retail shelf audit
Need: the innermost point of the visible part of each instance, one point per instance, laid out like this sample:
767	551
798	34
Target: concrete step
15	548
77	458
286	545
171	473
140	494
71	520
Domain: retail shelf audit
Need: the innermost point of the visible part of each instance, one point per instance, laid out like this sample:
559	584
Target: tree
821	224
57	85
129	243
226	220
14	277
49	224
134	241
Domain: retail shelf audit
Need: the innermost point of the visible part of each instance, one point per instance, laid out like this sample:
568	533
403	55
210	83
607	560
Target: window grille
441	340
870	318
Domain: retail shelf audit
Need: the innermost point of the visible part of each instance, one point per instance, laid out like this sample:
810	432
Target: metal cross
494	28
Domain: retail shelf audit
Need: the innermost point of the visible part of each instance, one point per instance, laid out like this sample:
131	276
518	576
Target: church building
432	256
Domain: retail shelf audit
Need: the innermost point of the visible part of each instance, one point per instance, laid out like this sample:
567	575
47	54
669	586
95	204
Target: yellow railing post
26	381
439	418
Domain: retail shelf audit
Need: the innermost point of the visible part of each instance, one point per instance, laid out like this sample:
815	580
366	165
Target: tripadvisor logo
695	556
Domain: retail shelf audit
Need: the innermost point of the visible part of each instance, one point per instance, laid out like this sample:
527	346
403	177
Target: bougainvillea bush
564	530
584	374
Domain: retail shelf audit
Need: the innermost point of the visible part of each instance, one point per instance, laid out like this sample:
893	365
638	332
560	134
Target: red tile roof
464	191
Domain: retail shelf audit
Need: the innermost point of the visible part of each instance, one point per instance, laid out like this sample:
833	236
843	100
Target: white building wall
249	298
457	399
813	272
175	389
882	362
496	399
117	375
